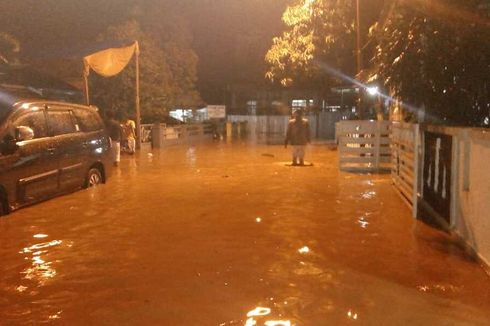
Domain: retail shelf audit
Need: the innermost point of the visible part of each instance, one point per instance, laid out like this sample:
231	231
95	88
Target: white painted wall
471	209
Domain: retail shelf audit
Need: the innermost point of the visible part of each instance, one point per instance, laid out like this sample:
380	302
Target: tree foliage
434	54
66	31
321	30
168	64
167	75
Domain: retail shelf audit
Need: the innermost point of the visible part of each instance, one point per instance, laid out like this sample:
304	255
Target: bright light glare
372	90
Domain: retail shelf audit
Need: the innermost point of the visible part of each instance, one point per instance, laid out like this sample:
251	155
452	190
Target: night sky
230	37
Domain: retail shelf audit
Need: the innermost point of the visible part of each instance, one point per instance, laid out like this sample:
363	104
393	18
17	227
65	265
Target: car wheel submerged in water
94	178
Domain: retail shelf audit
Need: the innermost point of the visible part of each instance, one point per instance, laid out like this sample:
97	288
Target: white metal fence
363	145
272	129
405	152
162	135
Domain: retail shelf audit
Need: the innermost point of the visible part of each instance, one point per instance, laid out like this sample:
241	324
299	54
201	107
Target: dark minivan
48	148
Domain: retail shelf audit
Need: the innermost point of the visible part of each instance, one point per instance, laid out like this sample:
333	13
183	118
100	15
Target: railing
271	129
363	145
162	135
405	152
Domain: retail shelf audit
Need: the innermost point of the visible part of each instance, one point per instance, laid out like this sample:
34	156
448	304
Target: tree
168	64
164	82
316	31
432	55
66	31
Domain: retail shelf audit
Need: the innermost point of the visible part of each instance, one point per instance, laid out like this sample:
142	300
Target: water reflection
40	270
362	222
191	156
57	315
250	322
368	194
259	313
438	288
278	323
352	315
304	250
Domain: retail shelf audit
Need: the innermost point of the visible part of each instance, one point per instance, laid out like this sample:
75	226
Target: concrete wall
471	204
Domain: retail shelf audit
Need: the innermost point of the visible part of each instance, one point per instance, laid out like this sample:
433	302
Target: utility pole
359	56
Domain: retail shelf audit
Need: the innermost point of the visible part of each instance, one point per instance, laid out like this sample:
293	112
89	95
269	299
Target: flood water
221	234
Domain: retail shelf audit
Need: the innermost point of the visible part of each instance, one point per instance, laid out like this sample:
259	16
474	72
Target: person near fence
298	135
115	133
129	128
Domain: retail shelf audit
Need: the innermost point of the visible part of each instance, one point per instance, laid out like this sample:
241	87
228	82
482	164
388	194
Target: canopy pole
138	114
87	95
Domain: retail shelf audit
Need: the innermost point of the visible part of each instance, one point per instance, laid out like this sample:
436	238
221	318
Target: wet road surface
223	234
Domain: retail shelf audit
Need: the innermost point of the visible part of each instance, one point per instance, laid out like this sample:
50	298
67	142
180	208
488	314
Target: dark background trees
190	49
432	55
435	55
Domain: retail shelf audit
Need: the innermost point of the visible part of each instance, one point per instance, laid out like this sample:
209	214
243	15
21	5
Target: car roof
20	83
12	96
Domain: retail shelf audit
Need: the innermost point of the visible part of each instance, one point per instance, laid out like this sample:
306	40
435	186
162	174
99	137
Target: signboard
216	111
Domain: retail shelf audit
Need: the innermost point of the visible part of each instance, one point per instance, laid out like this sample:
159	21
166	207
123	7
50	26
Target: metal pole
85	79
358	54
358	38
138	114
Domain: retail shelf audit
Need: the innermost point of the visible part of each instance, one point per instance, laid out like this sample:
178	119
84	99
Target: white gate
363	145
405	140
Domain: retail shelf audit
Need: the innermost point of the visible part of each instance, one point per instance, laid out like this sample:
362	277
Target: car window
34	120
61	122
88	120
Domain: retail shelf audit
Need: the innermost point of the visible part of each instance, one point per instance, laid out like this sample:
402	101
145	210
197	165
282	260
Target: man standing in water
298	135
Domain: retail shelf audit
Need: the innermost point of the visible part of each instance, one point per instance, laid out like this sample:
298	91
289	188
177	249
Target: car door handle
51	150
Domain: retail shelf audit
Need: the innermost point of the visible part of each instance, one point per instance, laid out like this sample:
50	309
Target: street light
372	90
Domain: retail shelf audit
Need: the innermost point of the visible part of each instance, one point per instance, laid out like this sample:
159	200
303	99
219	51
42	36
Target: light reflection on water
368	194
352	315
304	250
258	313
40	270
278	323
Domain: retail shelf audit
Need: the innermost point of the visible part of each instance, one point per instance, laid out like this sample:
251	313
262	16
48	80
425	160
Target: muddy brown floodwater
221	234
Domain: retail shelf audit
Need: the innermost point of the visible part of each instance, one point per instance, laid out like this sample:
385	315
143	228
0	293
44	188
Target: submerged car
48	148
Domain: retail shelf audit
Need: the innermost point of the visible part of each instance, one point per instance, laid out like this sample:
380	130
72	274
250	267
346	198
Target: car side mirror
23	133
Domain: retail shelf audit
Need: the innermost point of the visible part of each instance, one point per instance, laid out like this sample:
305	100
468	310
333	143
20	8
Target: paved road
228	235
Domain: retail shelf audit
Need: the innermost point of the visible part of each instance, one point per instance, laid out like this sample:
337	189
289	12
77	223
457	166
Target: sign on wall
216	111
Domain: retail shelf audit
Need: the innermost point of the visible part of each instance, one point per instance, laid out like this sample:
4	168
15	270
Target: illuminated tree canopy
321	30
431	54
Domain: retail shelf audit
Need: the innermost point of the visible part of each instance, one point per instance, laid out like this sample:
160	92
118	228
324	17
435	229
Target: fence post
415	170
377	144
229	129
